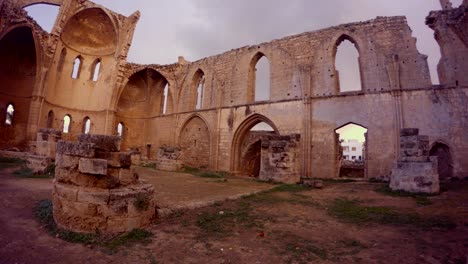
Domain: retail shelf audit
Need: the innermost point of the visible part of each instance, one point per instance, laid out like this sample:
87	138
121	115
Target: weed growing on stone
141	202
352	212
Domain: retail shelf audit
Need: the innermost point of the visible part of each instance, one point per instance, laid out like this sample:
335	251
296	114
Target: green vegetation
221	222
299	249
135	236
353	212
285	193
25	172
149	165
338	180
10	162
204	173
43	212
141	202
420	198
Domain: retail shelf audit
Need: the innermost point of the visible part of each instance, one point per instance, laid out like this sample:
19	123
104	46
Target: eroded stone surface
415	171
99	195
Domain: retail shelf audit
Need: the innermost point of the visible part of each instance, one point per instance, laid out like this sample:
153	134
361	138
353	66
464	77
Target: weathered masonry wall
305	96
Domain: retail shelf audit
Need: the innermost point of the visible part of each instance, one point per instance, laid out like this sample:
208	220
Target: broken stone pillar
446	4
415	171
46	142
280	158
168	159
96	190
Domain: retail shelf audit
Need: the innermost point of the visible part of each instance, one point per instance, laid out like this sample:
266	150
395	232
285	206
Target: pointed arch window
347	65
66	123
77	67
10	113
50	119
86	125
260	78
165	95
200	85
120	129
96	69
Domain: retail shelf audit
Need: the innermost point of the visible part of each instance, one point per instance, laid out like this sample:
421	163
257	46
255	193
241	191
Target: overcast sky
200	28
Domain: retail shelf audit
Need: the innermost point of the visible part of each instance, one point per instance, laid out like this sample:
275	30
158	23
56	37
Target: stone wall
305	94
96	190
415	171
280	158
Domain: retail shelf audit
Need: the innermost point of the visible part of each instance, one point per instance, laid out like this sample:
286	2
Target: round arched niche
90	31
143	94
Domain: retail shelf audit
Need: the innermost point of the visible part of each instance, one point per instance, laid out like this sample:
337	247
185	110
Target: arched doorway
246	145
17	79
444	160
195	143
351	146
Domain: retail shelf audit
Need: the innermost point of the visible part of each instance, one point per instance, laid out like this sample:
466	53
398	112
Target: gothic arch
242	130
195	142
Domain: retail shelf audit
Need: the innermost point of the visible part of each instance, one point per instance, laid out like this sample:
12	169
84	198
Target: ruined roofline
304	34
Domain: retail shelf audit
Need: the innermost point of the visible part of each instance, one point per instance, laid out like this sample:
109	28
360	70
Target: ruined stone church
200	114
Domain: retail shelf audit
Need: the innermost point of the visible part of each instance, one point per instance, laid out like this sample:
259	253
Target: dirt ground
341	223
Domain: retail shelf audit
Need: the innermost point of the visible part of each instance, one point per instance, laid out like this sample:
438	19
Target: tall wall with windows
208	107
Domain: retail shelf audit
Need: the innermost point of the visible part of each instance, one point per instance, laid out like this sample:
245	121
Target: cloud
196	29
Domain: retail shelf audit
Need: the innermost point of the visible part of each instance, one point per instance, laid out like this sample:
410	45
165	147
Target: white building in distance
352	150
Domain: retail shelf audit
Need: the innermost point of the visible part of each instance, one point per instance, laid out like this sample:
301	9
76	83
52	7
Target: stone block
93	195
102	142
409	132
75	149
67	192
93	166
67	161
120	160
415	177
127	176
136	158
422	158
66	176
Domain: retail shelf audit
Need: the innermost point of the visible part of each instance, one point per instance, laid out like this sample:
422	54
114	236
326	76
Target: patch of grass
135	236
49	171
292	188
299	249
44	214
388	191
10	162
350	211
149	165
204	173
420	198
338	180
376	180
222	222
286	193
25	172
